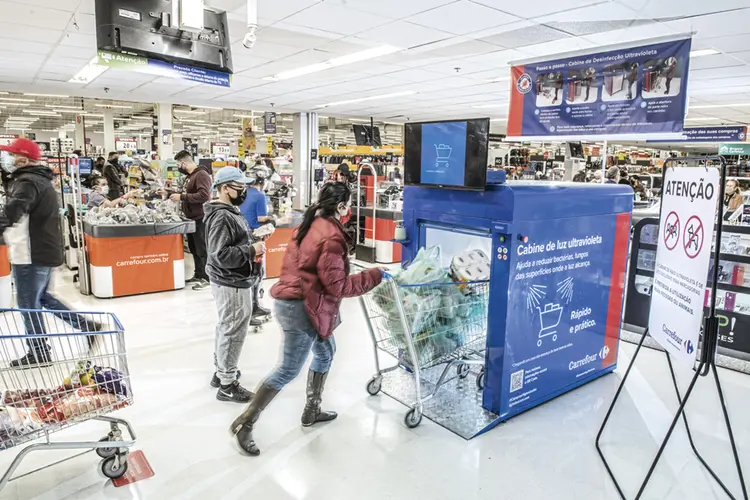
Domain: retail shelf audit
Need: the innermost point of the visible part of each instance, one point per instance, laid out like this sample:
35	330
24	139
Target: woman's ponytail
329	198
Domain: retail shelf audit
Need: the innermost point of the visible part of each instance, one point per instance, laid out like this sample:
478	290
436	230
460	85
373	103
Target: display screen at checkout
444	153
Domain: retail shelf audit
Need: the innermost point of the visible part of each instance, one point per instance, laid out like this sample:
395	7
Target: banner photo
683	253
161	68
633	91
711	134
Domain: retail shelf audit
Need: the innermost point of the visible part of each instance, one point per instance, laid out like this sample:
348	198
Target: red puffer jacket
318	272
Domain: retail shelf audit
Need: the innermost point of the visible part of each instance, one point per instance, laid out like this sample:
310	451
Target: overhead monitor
447	154
365	135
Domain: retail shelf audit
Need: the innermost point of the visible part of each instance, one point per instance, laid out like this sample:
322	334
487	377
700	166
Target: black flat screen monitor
365	135
447	154
575	150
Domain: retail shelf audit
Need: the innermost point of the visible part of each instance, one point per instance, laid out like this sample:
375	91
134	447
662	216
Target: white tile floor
547	453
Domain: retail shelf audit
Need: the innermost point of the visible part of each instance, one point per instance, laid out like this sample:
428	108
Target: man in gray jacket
229	268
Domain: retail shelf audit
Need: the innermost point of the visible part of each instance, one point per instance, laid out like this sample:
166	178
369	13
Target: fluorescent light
499	119
48	95
12	99
253	117
709	106
49	130
118	106
486	106
189	112
90	72
500	79
4	93
362	55
40	113
371	98
708	118
92	114
703	52
58	106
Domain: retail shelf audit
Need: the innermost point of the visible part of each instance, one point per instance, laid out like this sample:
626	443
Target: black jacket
230	254
30	221
112	173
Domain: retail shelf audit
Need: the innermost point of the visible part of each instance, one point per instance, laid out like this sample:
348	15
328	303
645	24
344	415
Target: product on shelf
162	212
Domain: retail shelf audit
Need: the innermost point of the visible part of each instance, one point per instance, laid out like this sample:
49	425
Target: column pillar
166	131
80	135
109	131
305	139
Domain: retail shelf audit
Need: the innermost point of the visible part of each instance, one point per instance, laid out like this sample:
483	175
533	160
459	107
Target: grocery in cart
425	317
85	377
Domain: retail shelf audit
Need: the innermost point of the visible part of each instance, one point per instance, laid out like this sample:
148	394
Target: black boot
34	359
312	413
259	311
242	427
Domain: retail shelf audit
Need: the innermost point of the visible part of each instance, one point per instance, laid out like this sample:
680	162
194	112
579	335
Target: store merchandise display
159	212
440	318
88	388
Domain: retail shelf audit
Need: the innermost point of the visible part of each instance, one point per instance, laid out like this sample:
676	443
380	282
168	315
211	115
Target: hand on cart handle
260	248
385	274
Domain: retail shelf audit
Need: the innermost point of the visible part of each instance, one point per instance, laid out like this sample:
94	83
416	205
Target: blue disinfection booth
559	255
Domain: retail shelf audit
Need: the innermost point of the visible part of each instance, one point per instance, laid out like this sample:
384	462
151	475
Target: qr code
516	381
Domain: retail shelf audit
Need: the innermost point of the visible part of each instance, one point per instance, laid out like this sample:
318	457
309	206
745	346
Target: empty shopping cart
424	326
85	377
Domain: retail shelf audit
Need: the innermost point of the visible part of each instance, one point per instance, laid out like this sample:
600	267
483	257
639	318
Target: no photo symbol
671	230
692	238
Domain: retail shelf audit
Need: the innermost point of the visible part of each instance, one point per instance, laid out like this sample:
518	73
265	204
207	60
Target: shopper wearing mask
255	211
31	227
99	193
613	175
229	267
314	279
112	172
197	192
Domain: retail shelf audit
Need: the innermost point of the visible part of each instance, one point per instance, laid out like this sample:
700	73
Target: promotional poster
637	90
712	134
683	252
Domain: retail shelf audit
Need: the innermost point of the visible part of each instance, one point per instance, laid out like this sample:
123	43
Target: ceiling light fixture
117	106
13	99
48	95
363	55
703	52
59	106
371	98
486	106
189	112
252	117
41	113
90	72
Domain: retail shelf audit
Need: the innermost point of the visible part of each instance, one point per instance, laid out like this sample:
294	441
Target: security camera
250	38
106	89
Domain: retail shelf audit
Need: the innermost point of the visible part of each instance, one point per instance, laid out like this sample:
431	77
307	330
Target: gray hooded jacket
230	252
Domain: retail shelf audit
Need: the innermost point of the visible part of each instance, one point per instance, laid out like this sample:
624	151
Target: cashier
99	193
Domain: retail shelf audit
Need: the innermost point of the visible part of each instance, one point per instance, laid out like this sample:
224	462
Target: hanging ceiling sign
221	148
621	92
712	134
734	149
269	122
126	144
161	68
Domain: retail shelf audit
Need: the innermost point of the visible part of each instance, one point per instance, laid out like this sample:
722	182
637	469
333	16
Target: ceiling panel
715	61
86	24
273	34
337	19
84	54
525	36
28	47
402	34
75	39
29	15
462	17
540	8
19	32
66	5
658	9
276	10
394	8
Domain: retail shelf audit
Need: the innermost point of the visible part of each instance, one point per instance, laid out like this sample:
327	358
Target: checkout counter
130	259
279	240
558	265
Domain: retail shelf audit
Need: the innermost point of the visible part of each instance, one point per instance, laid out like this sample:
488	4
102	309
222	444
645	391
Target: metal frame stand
707	363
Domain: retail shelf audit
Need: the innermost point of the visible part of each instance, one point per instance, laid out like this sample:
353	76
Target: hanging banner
6	139
734	149
683	252
711	134
269	123
171	70
221	148
126	144
620	92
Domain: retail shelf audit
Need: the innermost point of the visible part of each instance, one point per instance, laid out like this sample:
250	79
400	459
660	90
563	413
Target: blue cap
230	174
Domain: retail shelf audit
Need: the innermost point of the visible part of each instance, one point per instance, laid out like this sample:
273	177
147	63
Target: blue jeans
300	337
31	293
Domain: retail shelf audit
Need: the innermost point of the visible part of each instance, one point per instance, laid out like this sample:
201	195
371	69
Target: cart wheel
413	418
373	386
539	343
480	380
462	370
115	467
106	452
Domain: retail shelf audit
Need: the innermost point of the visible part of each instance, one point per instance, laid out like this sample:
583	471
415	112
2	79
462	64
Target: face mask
9	164
343	211
240	199
104	190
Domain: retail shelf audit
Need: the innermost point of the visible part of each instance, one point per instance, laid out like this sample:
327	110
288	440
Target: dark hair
98	180
329	199
113	153
100	158
183	155
77	152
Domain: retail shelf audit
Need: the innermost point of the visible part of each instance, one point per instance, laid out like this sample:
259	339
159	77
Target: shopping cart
424	326
85	378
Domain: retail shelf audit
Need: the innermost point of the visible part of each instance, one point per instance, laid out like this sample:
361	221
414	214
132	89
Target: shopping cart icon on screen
443	154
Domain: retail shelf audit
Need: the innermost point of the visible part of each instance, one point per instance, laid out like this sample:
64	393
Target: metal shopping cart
424	326
85	378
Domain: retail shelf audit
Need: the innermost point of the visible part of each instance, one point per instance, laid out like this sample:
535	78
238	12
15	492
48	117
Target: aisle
367	453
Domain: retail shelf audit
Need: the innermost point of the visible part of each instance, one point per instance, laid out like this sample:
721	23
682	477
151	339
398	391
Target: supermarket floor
368	454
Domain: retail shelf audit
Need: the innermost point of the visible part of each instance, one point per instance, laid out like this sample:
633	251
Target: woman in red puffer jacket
314	279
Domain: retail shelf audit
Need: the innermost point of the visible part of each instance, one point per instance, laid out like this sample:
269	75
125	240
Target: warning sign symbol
671	230
692	238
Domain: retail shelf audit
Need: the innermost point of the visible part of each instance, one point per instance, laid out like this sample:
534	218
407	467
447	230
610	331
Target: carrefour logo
604	352
523	85
689	347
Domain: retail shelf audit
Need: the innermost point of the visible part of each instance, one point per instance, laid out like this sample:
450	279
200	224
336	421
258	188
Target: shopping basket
424	326
85	377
